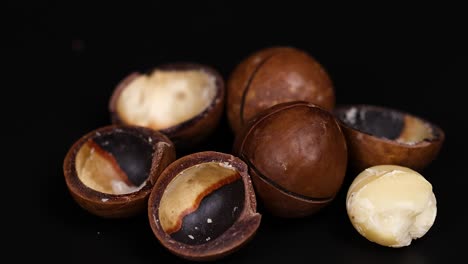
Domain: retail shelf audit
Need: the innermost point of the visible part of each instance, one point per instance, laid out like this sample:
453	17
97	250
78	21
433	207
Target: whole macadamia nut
276	75
297	157
391	205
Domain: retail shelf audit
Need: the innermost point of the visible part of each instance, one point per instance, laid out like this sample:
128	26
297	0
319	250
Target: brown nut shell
297	157
110	171
203	206
381	135
275	75
190	131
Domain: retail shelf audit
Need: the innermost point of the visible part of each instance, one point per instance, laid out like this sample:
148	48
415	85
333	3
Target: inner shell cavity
201	203
388	124
114	163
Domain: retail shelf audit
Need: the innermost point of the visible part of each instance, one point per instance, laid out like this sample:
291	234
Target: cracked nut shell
297	157
275	75
110	171
203	206
380	135
184	101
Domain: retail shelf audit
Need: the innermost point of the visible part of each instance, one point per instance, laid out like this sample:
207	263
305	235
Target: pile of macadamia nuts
293	147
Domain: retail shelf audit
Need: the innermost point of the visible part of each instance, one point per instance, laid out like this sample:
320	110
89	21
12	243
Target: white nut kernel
166	98
391	205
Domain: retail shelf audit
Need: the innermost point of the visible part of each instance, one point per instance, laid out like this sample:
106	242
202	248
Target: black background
64	61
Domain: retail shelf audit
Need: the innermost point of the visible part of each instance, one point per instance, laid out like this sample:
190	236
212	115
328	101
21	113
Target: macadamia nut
391	205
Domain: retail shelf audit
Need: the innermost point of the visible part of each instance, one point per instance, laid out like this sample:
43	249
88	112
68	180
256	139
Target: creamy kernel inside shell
116	163
201	202
163	99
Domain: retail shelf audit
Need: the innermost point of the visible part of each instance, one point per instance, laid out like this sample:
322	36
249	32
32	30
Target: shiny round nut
275	75
380	135
297	157
110	171
184	101
203	206
391	205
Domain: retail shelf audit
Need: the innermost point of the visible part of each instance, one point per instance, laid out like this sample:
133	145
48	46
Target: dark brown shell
367	149
275	75
117	205
193	131
233	238
297	157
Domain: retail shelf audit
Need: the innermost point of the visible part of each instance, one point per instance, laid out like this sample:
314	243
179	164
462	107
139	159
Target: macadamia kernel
166	98
391	205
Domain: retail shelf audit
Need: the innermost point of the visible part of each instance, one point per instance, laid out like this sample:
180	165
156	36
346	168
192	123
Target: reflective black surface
64	61
216	213
132	153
